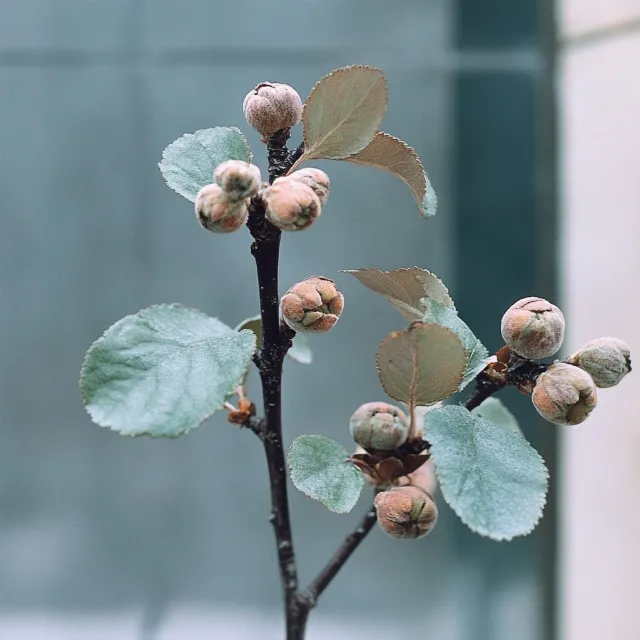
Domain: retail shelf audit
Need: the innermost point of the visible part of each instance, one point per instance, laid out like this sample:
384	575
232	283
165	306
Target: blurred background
525	115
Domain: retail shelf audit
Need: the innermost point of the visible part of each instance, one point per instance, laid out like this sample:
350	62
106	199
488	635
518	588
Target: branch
266	250
309	597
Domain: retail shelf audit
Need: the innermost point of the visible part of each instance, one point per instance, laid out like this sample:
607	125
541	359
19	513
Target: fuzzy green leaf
475	350
421	365
321	469
405	289
493	410
188	164
395	156
490	475
343	112
162	371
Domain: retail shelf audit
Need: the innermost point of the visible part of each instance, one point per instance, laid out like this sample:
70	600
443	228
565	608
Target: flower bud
564	394
379	425
313	305
317	179
533	328
238	179
606	360
291	205
272	106
216	213
406	512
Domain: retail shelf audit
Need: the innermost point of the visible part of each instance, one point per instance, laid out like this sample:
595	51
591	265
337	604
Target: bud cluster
222	207
566	392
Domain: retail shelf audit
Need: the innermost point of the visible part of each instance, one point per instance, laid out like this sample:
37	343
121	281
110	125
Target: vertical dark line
548	270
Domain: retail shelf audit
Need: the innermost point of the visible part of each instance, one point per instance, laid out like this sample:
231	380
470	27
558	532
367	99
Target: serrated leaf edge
305	156
83	368
315	435
479	530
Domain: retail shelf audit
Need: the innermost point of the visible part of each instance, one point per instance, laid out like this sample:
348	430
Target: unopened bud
291	205
317	179
313	305
379	425
564	394
272	106
238	179
217	213
606	360
406	512
533	328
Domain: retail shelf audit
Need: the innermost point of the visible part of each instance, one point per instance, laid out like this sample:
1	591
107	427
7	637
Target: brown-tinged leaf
421	365
404	288
395	156
343	112
413	462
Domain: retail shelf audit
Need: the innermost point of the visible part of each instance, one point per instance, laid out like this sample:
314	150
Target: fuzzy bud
291	205
238	179
406	512
564	394
606	360
533	328
313	305
317	179
272	106
217	213
379	425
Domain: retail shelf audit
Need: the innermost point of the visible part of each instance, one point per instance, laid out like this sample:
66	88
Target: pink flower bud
316	179
406	512
238	179
217	213
272	106
313	305
291	205
379	426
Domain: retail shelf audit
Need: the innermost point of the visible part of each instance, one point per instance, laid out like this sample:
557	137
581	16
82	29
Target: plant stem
266	250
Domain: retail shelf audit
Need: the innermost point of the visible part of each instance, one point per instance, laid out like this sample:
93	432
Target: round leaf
421	365
162	371
490	475
343	112
188	164
321	469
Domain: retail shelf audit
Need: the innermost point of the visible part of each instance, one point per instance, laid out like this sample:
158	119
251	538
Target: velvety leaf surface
421	365
493	410
162	371
475	350
188	164
320	468
343	112
489	474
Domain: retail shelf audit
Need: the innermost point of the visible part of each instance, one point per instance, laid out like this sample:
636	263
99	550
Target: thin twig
309	597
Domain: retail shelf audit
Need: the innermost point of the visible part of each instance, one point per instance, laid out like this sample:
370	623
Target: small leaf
475	350
490	475
162	371
395	156
343	112
405	288
188	164
493	410
321	469
421	365
300	350
253	324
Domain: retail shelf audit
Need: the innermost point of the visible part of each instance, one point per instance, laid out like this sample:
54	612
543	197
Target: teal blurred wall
95	525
